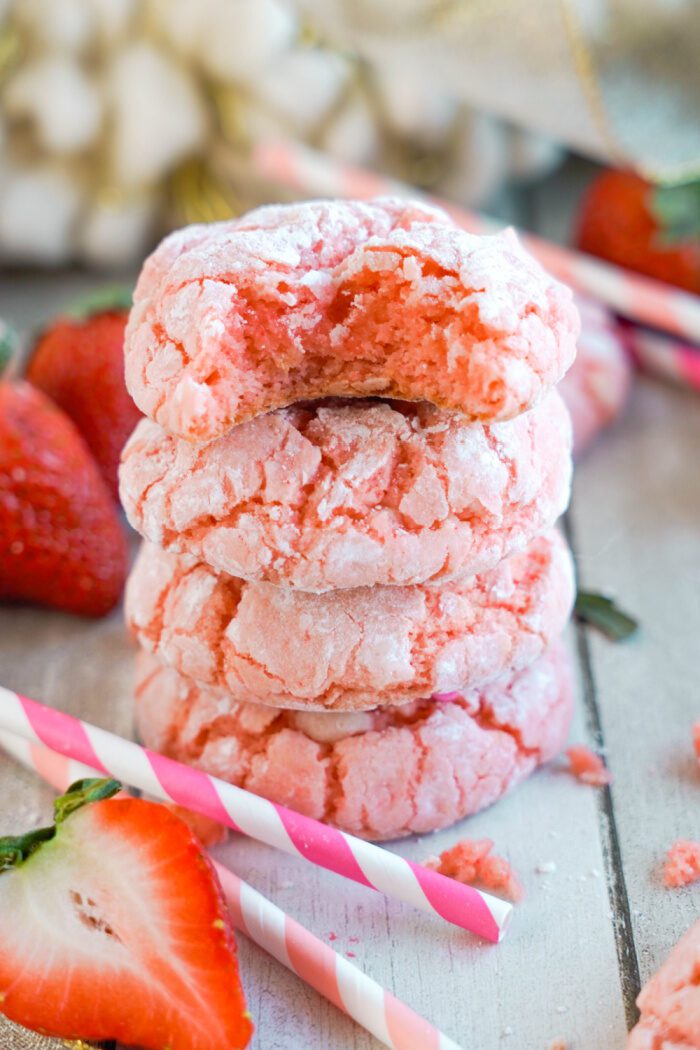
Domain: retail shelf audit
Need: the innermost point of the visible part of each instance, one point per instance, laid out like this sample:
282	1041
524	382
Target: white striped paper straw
266	821
650	302
318	965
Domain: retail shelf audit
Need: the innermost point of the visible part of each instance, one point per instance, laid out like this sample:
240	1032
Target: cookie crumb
471	861
696	738
587	766
682	864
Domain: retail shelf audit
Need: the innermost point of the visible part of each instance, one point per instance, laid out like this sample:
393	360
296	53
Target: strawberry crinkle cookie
379	774
341	298
350	649
351	494
596	387
670	1001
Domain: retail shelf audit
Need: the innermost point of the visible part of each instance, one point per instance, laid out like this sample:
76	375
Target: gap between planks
627	960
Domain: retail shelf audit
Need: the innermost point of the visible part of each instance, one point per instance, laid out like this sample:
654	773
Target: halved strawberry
113	926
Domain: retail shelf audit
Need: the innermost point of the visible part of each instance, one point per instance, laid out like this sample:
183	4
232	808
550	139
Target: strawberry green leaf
602	612
9	342
108	299
15	849
677	211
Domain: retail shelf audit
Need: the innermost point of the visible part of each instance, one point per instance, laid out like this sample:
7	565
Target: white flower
412	105
111	18
480	162
303	86
115	231
243	37
39	208
157	113
354	135
58	25
61	102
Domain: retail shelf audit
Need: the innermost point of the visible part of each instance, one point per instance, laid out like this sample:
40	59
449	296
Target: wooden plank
636	516
534	985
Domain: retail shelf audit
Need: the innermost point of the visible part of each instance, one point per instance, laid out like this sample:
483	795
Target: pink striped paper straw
662	355
335	978
650	302
256	817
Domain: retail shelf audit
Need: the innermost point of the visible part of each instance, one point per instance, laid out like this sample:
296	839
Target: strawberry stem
677	211
9	342
81	793
111	298
15	849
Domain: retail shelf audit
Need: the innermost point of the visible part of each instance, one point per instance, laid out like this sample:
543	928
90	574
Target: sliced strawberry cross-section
113	926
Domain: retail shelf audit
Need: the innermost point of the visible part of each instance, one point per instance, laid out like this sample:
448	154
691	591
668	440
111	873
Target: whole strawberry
655	231
79	362
61	541
113	926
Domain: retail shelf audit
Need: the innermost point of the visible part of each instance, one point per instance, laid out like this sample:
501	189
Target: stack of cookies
351	594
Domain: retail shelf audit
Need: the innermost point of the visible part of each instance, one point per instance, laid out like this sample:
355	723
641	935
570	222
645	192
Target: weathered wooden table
600	921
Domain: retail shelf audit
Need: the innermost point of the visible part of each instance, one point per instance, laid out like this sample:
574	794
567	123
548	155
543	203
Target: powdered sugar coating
336	495
341	298
670	1001
350	649
596	387
378	774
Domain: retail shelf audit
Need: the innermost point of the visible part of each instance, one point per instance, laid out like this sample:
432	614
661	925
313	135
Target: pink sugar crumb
351	955
682	865
696	738
472	862
332	936
587	766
